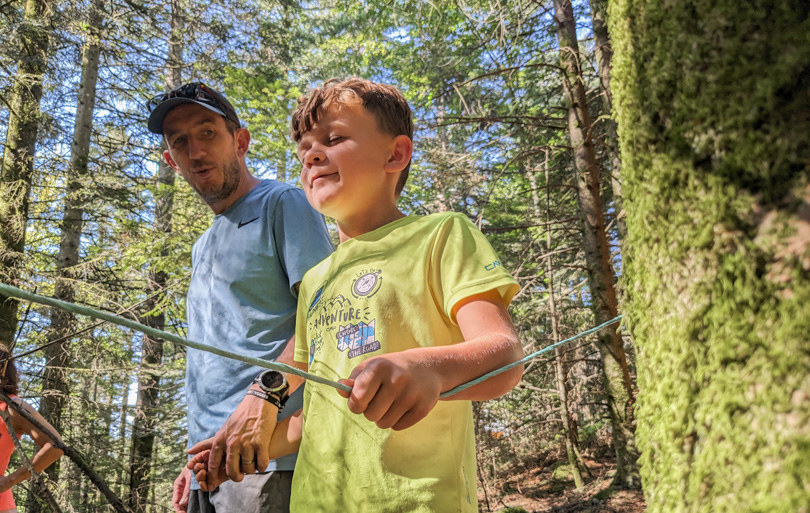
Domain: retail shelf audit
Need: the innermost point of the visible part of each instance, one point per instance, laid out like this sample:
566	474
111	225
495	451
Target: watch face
272	380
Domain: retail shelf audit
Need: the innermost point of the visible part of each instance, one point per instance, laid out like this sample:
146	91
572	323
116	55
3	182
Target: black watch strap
269	398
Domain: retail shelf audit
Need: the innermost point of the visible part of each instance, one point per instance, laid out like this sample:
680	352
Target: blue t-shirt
242	298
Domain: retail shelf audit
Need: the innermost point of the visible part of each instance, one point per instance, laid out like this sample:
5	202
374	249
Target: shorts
257	493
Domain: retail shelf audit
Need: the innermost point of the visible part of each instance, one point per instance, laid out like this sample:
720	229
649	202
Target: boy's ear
401	154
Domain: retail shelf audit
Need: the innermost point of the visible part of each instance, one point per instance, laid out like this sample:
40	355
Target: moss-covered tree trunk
618	385
18	157
713	103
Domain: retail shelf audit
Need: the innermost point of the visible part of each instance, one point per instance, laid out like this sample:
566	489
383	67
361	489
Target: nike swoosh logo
241	224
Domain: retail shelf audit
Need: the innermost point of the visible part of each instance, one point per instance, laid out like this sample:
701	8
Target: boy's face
346	160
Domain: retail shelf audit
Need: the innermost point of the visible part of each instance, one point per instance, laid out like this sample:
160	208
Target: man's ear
168	157
242	141
400	155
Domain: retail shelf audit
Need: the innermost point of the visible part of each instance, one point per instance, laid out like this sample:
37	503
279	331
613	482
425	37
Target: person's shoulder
441	220
273	189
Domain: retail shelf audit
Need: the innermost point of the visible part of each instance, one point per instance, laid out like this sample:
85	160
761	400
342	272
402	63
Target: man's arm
399	389
244	440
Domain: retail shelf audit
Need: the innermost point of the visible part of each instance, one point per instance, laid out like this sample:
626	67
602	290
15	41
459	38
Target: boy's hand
395	391
208	481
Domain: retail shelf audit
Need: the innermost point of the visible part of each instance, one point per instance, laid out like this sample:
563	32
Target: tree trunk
618	385
18	157
712	101
604	55
145	424
55	386
569	435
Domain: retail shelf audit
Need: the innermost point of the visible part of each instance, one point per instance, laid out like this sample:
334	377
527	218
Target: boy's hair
384	102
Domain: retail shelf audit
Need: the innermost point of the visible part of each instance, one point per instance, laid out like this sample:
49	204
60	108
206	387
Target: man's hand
242	442
180	491
395	391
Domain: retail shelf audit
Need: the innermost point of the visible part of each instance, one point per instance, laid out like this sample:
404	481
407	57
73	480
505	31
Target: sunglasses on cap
195	92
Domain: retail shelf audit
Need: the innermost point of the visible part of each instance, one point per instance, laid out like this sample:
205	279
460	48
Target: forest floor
550	489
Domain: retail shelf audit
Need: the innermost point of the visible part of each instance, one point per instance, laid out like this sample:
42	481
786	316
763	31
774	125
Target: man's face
203	151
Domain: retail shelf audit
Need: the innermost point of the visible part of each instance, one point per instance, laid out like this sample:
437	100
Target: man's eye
178	141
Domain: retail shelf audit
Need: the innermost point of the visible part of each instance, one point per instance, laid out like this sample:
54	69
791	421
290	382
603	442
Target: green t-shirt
386	291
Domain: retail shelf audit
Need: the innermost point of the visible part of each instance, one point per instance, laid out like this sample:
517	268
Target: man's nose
195	148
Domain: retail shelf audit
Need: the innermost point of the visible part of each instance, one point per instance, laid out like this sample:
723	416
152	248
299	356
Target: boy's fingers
394	412
381	403
201	446
410	418
199	459
200	477
349	383
363	391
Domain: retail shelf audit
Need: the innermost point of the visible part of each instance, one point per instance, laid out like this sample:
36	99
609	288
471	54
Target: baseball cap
194	92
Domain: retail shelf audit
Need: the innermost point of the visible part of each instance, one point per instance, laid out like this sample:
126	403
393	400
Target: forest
632	158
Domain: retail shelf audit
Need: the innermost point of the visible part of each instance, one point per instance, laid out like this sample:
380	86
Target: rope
465	386
8	290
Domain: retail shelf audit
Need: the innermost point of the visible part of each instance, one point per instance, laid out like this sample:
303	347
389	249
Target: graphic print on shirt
349	322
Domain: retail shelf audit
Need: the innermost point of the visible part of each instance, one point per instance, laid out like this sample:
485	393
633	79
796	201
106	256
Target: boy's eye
335	138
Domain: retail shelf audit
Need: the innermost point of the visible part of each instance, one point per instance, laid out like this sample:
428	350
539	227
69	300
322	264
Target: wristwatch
275	388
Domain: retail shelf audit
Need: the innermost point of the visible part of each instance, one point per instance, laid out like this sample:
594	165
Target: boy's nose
314	156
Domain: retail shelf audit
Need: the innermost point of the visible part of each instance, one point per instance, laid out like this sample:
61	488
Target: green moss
712	104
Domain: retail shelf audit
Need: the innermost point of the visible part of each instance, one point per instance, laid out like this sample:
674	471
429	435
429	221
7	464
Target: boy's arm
399	389
285	440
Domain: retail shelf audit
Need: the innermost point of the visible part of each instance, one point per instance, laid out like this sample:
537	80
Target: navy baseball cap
195	92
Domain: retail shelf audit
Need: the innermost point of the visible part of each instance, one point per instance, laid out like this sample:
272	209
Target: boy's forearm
286	437
287	357
464	362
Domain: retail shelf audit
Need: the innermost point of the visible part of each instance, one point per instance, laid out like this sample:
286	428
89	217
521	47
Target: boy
407	307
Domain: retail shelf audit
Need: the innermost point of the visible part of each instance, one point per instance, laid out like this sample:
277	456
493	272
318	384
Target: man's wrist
256	392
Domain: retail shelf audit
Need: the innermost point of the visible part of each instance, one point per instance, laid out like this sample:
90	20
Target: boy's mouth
319	177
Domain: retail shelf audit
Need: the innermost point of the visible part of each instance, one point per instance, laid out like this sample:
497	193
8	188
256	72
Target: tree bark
712	102
604	56
569	434
618	385
18	157
55	387
145	424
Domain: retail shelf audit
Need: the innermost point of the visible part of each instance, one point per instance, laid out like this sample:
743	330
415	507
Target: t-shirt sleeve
464	264
300	234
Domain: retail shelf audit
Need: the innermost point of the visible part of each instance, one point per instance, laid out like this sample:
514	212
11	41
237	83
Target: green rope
156	333
525	359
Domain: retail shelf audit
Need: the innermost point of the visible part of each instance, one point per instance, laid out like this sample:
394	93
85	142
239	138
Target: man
243	291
